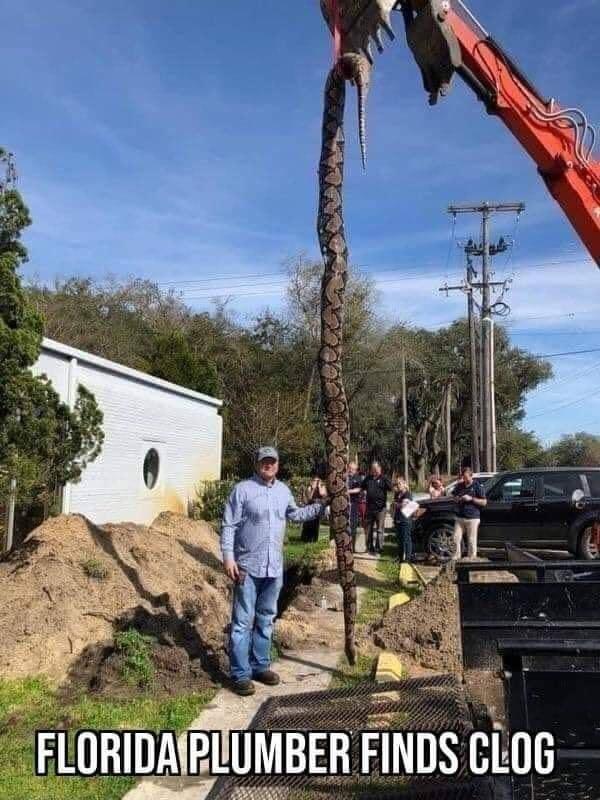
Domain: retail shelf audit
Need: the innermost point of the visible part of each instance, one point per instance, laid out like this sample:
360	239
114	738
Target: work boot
244	688
268	677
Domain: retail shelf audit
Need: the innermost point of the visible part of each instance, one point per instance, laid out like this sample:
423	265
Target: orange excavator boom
559	140
446	38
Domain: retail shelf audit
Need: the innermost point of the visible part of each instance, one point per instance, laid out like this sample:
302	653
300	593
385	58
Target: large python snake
332	240
355	24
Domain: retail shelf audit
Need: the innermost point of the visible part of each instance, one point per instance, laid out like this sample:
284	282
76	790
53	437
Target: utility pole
449	428
486	250
475	399
404	418
10	516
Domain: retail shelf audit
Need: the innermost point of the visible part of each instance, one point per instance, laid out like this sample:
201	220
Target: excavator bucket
428	31
433	43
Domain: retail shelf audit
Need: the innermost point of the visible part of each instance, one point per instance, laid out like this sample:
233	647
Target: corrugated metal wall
186	433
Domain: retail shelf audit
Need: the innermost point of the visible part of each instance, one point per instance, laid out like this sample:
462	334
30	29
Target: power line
568	353
368	269
560	407
575	376
554	333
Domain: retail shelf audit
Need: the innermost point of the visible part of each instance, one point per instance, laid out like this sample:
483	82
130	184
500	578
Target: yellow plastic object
408	574
389	668
398	600
421	578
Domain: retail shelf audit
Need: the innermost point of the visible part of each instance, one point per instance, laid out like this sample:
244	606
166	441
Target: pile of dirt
72	583
310	620
425	632
178	660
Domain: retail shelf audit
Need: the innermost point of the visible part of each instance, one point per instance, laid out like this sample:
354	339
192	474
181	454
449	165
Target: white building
160	441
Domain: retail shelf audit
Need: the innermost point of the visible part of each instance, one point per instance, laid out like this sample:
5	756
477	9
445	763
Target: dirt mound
311	620
73	582
166	655
426	629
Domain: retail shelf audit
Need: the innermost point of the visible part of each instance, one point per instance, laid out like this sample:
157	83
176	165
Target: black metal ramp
564	700
549	608
433	704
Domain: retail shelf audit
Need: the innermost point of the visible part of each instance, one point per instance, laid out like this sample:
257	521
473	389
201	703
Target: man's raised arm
306	513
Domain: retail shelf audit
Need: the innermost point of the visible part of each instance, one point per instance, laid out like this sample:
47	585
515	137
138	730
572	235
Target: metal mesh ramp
427	704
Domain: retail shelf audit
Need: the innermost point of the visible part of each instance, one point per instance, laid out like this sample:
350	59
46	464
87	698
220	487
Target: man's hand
231	569
466	498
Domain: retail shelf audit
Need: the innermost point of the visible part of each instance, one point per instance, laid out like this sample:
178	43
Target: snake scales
332	240
355	24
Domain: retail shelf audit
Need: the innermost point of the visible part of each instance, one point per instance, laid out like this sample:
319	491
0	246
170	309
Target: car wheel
588	548
440	542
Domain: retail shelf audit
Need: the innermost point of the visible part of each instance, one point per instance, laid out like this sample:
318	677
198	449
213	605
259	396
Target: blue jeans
254	611
404	538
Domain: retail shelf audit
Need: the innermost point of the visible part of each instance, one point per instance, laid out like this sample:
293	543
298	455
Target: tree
518	448
172	359
437	365
575	450
43	443
118	320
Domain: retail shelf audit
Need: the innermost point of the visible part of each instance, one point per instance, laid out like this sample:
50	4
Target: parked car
552	508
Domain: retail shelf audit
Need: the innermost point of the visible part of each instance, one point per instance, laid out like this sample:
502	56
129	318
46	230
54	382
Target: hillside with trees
265	369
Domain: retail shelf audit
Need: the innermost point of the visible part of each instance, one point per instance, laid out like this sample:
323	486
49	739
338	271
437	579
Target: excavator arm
559	140
446	38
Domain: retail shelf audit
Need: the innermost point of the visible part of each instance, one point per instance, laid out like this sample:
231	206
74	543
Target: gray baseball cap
266	452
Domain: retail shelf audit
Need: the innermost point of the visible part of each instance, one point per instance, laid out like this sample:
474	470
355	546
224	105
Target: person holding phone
470	498
252	534
315	491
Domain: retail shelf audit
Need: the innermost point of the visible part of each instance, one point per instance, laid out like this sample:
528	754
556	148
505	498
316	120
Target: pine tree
43	443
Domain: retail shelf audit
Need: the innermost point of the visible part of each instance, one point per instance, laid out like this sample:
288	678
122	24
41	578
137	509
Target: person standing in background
313	493
402	523
470	497
376	486
355	480
436	488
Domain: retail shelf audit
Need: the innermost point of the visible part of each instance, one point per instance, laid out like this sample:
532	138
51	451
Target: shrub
134	648
94	568
211	497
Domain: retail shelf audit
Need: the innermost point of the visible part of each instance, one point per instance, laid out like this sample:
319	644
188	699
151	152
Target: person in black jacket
354	480
376	487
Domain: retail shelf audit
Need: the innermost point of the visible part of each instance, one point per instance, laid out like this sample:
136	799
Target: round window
151	467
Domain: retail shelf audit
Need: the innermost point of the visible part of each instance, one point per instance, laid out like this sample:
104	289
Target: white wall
185	431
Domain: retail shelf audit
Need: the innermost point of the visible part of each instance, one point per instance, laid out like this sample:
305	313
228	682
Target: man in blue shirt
470	497
252	535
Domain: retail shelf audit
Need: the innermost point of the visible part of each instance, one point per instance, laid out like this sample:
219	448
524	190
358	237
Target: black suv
537	508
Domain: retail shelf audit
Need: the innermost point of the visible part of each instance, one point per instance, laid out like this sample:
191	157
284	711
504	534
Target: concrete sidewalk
300	672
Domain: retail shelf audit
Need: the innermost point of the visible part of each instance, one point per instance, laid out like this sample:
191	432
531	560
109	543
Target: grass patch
345	677
94	568
374	602
29	705
134	647
303	554
373	605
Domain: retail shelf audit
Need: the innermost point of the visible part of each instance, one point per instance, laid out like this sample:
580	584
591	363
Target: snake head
361	25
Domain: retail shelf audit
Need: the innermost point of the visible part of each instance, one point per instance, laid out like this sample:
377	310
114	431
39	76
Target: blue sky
178	141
